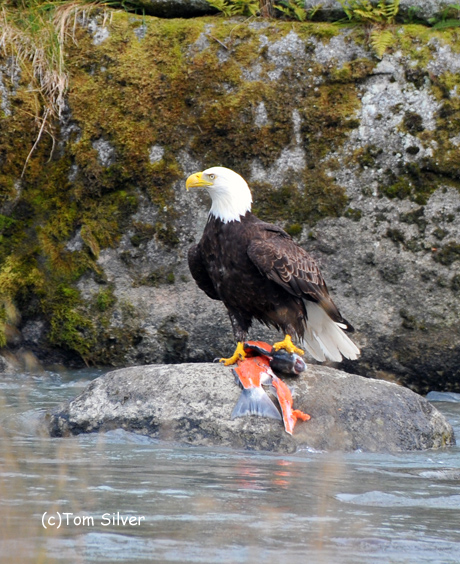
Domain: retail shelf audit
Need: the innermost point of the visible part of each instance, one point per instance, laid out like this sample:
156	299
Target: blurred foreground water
211	505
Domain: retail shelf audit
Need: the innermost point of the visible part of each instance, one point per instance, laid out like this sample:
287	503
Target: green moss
228	134
455	283
416	217
144	232
440	233
442	282
174	339
366	156
447	254
414	41
392	273
414	245
318	197
105	299
408	320
319	30
353	213
166	233
418	182
352	71
410	181
70	328
400	189
20	278
112	340
5	222
157	277
445	161
395	235
294	229
412	123
417	76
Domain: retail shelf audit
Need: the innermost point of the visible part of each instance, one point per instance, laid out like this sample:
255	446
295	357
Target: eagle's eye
212	176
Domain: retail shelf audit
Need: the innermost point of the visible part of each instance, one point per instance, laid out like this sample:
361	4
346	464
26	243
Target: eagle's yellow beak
197	181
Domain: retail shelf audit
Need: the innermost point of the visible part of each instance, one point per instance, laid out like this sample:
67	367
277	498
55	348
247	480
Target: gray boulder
175	8
5	365
409	10
193	403
420	10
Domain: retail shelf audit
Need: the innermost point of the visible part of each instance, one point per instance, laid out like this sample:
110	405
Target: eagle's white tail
324	339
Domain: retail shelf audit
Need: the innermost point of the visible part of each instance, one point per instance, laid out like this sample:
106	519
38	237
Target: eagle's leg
239	354
288	346
240	328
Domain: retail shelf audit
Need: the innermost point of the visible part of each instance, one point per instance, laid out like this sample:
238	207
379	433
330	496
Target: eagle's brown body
259	272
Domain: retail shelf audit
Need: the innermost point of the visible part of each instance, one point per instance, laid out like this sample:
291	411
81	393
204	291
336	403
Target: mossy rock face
356	157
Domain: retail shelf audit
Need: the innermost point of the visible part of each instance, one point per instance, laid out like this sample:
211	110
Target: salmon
281	362
251	373
290	416
256	371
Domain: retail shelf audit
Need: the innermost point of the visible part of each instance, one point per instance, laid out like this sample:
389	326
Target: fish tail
254	401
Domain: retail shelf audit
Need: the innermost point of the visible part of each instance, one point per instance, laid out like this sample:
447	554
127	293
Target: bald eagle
259	272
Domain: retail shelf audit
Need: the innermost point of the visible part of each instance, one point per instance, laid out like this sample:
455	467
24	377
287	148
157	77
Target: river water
70	500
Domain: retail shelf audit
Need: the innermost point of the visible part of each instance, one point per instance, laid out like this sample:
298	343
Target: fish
254	348
284	396
251	373
289	364
281	362
255	371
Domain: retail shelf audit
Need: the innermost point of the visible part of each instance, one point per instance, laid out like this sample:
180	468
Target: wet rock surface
192	403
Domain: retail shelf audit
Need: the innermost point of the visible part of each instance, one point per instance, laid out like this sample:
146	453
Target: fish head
290	364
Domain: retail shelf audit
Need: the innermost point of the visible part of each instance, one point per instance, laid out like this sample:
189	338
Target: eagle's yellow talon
288	346
239	354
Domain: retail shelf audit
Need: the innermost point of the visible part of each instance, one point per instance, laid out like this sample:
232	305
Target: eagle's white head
230	194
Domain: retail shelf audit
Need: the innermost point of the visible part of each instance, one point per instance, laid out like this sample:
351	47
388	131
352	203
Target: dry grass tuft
33	35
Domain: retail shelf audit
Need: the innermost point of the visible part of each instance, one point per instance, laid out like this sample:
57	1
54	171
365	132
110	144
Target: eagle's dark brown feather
199	272
282	260
259	272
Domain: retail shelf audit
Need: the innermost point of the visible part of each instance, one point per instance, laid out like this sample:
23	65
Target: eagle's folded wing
290	266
